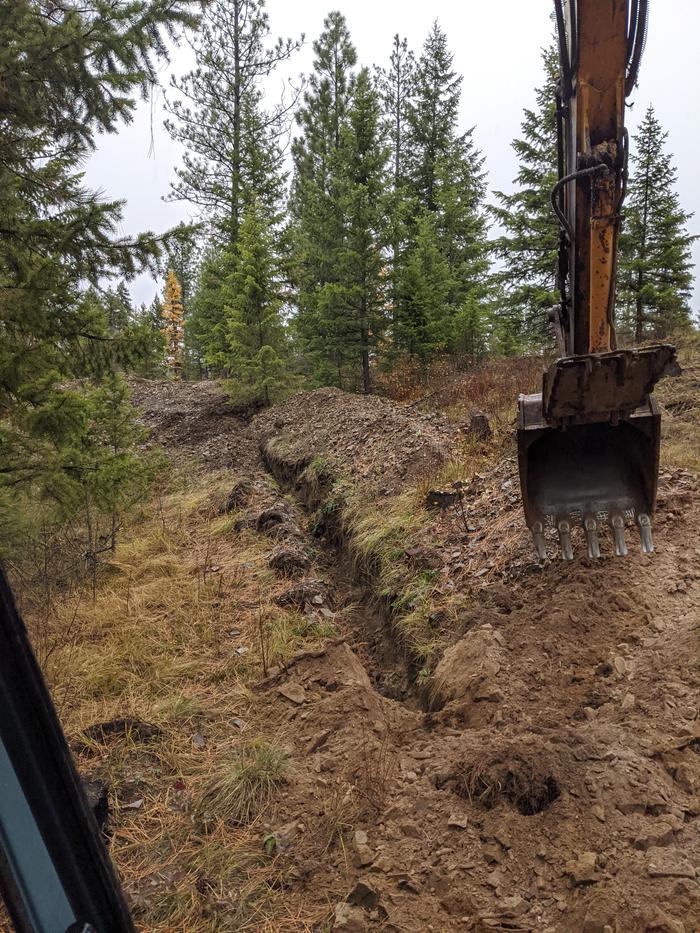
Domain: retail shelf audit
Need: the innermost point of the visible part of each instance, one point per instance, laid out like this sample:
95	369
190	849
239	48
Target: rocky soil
547	777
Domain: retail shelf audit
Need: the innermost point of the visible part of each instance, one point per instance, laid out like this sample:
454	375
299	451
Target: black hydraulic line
566	73
554	197
632	29
55	873
563	248
640	40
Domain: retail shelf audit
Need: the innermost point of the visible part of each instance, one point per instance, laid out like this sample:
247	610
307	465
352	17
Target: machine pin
618	526
567	550
538	539
591	526
644	523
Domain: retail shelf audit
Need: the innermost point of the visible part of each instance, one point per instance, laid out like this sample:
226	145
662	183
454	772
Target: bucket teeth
644	523
538	540
591	527
617	523
567	550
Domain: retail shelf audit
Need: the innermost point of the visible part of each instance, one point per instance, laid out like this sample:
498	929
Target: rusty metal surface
596	387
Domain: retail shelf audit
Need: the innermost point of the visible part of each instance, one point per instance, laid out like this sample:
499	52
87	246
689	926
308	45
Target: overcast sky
497	49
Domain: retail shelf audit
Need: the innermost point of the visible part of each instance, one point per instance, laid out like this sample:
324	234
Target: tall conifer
528	246
317	223
232	149
656	268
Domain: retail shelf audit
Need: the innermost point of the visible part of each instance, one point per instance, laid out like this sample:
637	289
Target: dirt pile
373	440
194	419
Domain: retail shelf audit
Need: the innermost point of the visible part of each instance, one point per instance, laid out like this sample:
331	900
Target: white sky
497	49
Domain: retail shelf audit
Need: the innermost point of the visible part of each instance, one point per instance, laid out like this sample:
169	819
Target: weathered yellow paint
599	125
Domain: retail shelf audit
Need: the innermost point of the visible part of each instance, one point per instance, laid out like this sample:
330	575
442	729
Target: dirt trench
556	786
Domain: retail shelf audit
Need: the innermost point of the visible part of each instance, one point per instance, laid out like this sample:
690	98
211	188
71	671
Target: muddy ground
544	773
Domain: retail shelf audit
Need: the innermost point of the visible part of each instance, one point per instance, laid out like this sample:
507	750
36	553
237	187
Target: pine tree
233	155
147	331
432	115
396	88
656	266
460	190
528	247
317	224
254	331
90	64
114	475
422	327
360	294
173	323
445	176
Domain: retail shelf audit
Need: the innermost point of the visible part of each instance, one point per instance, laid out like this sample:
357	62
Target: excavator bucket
588	448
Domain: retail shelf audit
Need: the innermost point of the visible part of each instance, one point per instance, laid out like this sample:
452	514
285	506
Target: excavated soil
553	782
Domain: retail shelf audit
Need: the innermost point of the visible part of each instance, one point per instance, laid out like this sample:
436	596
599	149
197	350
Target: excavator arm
589	443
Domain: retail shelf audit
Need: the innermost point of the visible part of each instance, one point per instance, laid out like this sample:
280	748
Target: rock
365	856
668	863
457	821
583	870
598	918
440	499
349	919
620	665
97	798
492	853
317	741
237	498
198	740
479	426
598	812
684	776
514	906
469	668
661	834
277	515
628	701
289	561
280	839
656	920
364	894
307	593
628	807
292	691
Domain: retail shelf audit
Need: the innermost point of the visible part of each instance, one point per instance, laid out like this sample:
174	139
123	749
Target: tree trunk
236	154
366	380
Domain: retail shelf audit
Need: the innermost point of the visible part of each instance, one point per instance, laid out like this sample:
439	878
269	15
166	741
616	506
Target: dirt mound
370	438
195	419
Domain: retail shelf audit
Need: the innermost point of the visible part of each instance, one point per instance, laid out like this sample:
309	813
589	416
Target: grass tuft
244	784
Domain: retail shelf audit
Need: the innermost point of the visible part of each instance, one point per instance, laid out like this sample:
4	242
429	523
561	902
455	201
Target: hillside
318	704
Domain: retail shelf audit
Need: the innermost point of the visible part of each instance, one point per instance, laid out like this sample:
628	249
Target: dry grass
172	640
456	386
680	398
243	785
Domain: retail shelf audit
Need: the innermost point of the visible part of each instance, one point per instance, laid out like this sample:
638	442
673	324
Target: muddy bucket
588	447
588	475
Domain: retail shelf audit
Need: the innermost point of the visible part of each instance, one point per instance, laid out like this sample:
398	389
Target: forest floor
323	698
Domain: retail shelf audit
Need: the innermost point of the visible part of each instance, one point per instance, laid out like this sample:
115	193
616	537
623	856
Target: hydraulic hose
566	71
636	42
